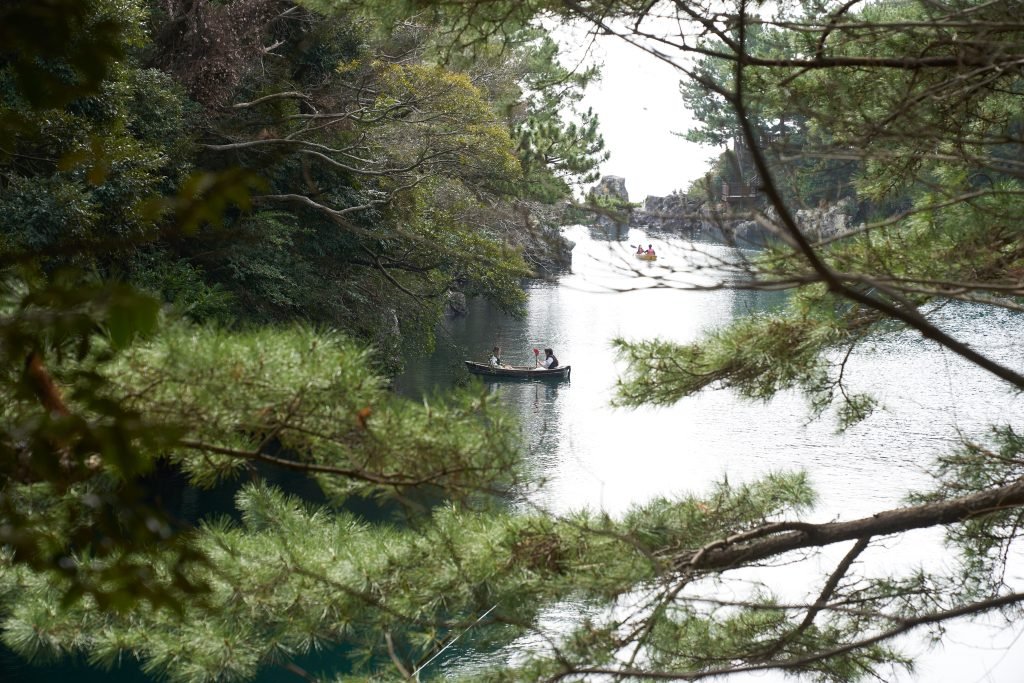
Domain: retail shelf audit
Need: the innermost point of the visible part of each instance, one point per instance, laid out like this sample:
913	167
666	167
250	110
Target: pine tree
101	389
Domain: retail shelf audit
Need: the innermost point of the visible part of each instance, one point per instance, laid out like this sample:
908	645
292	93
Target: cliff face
674	212
816	224
611	187
677	212
534	228
540	237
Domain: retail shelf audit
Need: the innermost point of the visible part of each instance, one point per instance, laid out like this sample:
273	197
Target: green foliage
70	455
100	172
78	169
557	143
58	50
115	177
316	398
290	579
181	283
983	542
758	357
549	145
351	175
388	179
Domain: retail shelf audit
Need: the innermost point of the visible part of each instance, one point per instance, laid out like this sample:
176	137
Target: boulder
825	221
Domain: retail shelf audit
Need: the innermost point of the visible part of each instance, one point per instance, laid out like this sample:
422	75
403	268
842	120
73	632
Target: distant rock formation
678	212
827	220
674	212
610	187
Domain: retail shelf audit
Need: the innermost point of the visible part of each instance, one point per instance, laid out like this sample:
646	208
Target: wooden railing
736	191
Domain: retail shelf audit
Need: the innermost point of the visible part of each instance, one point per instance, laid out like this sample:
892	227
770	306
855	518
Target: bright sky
639	106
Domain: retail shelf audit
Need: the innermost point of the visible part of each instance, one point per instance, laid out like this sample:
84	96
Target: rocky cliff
819	223
826	221
612	200
533	227
610	187
674	212
678	212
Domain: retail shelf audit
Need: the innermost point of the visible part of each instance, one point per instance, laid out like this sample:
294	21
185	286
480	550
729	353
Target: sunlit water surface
589	454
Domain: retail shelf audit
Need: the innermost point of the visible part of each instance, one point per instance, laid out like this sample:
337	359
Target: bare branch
728	554
292	95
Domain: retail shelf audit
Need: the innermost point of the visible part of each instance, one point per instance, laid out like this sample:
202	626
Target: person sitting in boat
495	360
549	362
640	250
650	250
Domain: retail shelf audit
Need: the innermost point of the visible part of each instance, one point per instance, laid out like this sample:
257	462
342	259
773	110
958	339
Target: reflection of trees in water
609	231
534	404
666	234
541	423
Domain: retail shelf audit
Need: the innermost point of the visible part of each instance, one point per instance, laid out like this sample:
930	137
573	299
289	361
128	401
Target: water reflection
609	231
586	453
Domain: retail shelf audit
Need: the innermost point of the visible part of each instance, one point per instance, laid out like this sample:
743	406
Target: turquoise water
589	454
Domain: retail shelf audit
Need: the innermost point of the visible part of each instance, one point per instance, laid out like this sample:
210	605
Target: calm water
586	453
590	454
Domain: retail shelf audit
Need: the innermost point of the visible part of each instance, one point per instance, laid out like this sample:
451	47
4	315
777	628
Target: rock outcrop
540	236
678	212
611	191
826	221
610	187
674	212
455	304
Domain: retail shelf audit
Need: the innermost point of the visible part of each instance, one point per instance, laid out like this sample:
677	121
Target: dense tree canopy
251	162
356	155
310	163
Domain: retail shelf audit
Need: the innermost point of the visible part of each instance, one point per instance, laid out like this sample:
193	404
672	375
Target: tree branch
725	555
276	96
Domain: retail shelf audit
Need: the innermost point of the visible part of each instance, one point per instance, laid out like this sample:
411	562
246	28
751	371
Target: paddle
536	357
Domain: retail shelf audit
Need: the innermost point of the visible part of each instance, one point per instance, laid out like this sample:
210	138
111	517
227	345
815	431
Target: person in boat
640	250
550	362
495	360
650	250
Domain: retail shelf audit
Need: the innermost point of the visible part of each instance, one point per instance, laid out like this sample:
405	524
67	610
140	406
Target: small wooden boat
647	257
517	372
